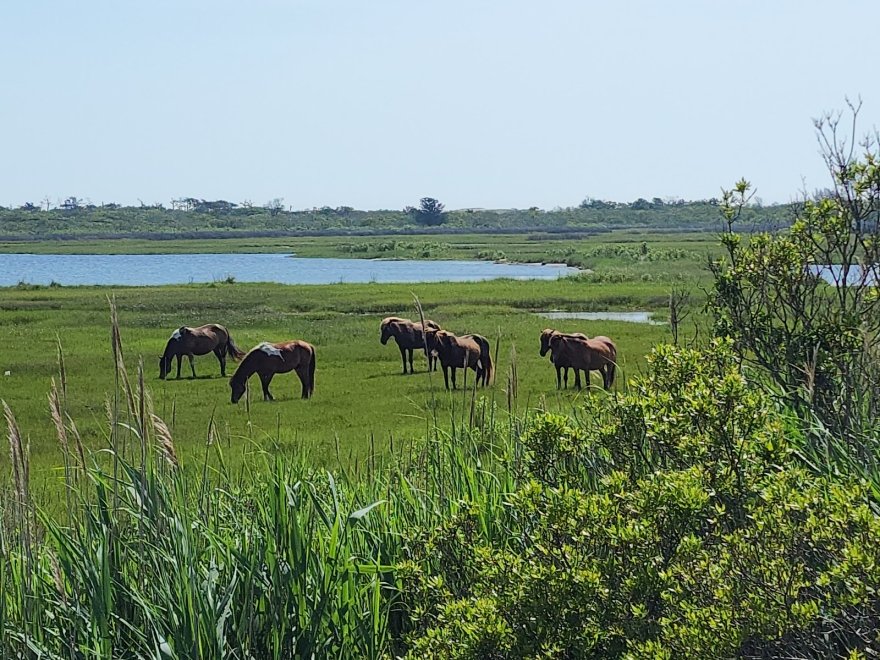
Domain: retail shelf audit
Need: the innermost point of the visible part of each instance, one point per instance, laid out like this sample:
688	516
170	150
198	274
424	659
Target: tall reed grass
149	558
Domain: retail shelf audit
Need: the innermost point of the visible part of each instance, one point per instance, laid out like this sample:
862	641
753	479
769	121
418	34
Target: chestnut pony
594	354
561	361
267	359
461	352
409	336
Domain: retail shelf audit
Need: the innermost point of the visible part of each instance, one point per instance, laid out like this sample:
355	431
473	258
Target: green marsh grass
361	403
150	560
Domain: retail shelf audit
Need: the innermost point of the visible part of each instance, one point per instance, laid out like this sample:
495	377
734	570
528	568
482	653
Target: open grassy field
361	404
587	251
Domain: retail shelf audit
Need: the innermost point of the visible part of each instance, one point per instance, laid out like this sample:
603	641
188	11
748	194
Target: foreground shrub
702	537
817	338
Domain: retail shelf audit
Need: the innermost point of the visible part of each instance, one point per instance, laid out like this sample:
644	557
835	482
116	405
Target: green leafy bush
672	522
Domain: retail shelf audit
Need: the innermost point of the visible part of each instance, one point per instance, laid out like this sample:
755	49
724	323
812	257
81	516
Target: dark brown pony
269	359
198	341
561	365
409	336
466	351
596	354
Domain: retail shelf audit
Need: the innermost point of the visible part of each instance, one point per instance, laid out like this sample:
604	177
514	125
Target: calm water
148	269
632	317
855	276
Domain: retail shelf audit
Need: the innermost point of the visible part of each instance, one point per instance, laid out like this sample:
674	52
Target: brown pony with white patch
198	341
267	359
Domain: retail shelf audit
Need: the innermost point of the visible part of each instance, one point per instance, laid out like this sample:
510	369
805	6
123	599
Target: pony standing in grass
269	359
198	341
560	361
595	354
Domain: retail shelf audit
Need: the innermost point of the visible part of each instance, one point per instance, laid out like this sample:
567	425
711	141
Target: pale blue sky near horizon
376	104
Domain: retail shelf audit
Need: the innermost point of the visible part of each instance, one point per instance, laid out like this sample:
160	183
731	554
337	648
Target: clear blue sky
376	103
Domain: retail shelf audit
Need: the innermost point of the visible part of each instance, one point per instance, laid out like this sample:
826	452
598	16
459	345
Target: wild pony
561	366
267	359
409	336
198	341
596	354
466	351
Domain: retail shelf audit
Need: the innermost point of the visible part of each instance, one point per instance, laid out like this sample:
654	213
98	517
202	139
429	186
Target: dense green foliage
819	343
219	220
670	520
667	522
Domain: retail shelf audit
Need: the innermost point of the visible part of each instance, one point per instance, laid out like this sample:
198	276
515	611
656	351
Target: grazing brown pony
269	359
561	365
467	351
596	354
409	336
198	341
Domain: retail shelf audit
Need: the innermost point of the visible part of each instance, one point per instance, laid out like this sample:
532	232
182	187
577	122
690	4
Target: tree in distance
430	212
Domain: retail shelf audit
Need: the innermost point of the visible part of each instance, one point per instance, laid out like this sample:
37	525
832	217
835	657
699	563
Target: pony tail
312	373
487	379
232	349
486	359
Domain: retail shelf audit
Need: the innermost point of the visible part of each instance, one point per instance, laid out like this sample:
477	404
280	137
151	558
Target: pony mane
388	320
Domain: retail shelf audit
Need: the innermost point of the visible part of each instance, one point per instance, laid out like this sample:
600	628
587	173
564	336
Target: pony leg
303	373
192	364
453	377
221	356
178	366
446	376
577	378
558	378
264	381
411	370
402	356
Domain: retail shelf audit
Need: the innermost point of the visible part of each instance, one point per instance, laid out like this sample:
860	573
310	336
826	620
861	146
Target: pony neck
170	350
246	369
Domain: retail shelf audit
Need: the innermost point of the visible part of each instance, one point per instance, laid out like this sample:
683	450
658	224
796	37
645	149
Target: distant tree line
76	216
